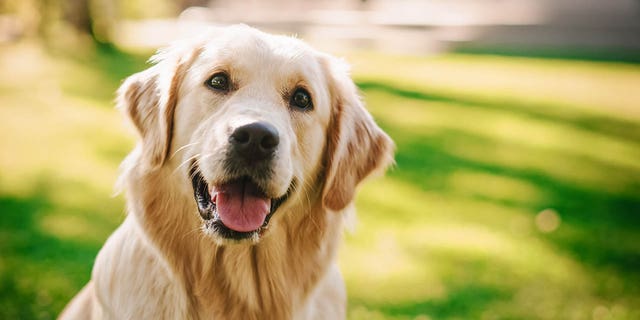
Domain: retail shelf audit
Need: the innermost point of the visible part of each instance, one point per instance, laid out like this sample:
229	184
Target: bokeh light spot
547	220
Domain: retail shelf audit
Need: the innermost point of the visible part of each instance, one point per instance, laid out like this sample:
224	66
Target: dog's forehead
250	50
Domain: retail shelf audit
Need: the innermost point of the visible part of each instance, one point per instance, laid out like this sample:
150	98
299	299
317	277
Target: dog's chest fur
278	278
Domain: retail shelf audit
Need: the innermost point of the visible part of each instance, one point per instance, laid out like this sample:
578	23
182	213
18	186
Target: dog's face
253	124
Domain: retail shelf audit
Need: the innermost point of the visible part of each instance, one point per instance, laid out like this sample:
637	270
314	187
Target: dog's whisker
185	162
195	231
194	173
196	161
209	155
184	147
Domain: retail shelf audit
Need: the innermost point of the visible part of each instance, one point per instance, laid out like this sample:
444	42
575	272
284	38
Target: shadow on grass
581	54
109	66
468	300
600	225
426	162
615	127
116	63
39	270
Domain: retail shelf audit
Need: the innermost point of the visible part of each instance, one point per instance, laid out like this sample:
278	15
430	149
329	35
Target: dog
251	148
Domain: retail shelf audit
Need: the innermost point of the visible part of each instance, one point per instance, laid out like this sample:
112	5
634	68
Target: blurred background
516	193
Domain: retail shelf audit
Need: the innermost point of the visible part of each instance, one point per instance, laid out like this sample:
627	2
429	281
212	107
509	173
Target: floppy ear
148	99
356	146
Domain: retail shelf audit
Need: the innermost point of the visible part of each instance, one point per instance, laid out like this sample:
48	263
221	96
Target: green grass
516	193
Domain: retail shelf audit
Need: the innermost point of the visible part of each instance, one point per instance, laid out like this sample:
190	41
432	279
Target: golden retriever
251	149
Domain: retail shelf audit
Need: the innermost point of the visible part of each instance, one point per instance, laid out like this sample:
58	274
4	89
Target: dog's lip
204	196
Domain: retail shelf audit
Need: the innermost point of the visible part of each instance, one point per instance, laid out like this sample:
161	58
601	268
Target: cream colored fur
161	263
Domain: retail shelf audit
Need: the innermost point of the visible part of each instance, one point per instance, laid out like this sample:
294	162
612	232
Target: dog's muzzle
239	207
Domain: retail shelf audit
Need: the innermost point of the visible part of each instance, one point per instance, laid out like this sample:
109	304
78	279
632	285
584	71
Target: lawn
516	193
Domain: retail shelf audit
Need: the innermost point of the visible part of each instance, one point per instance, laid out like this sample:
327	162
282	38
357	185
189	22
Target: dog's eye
301	99
218	81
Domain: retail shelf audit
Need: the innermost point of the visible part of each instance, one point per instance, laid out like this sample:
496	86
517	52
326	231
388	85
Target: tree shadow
106	66
597	214
600	226
623	55
615	127
39	271
463	302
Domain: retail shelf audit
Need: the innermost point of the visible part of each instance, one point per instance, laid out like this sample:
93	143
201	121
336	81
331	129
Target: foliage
93	19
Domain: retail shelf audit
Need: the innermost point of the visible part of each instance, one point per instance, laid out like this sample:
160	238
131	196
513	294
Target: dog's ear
148	99
356	146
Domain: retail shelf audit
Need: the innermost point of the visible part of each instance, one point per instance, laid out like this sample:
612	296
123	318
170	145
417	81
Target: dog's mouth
235	209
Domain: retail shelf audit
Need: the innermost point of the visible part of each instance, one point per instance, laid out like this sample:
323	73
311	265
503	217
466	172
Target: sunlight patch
497	187
71	227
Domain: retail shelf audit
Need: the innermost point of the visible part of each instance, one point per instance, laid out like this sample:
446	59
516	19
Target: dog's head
252	124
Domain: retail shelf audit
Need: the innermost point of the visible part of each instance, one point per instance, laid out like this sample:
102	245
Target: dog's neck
238	281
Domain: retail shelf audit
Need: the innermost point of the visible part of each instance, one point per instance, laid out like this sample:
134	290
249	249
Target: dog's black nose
255	141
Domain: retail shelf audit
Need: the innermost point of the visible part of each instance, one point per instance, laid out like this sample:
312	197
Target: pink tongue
240	206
